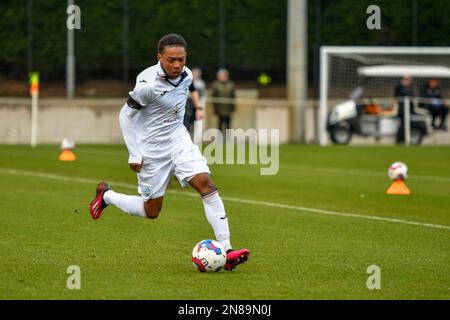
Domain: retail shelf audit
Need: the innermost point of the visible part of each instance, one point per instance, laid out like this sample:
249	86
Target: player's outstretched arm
126	120
140	97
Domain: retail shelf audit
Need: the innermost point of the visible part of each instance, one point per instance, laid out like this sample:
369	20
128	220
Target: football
67	144
209	256
398	171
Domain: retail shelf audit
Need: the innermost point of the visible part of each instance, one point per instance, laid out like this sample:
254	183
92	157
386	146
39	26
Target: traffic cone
398	187
67	155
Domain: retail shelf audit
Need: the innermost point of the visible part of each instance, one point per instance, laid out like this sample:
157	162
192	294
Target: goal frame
327	51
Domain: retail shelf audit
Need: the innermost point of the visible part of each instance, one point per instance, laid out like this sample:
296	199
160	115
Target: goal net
377	70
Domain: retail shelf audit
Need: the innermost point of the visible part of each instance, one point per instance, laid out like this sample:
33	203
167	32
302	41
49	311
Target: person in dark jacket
434	103
223	88
402	90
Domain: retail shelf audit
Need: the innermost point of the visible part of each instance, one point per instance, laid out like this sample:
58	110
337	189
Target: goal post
339	73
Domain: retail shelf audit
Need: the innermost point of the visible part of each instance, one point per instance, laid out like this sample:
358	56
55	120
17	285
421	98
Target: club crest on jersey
176	111
147	192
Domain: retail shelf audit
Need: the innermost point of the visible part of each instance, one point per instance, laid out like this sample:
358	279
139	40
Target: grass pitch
313	229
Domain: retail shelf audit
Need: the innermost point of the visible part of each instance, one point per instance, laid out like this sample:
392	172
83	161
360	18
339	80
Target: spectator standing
223	88
402	90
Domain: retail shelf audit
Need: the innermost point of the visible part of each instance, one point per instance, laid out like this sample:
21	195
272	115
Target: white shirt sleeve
127	120
141	96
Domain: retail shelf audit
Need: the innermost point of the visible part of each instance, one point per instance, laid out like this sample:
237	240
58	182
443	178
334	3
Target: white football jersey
152	118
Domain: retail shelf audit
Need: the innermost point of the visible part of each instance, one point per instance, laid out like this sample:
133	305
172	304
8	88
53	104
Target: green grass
296	254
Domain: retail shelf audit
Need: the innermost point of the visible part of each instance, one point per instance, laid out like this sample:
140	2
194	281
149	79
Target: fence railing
55	118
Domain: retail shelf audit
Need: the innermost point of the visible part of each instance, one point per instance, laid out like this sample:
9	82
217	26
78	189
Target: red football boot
235	257
97	205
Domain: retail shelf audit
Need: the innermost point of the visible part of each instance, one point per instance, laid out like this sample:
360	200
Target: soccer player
159	145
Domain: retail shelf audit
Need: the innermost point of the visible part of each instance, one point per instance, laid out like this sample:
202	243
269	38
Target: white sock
133	205
215	210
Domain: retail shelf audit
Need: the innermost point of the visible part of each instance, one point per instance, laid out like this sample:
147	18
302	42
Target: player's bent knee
152	210
152	213
209	187
203	184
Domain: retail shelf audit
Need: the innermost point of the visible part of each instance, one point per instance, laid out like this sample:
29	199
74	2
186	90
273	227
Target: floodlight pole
414	22
125	58
297	73
318	19
70	62
221	34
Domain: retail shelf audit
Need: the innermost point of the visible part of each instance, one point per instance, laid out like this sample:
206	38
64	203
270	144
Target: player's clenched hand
198	114
136	167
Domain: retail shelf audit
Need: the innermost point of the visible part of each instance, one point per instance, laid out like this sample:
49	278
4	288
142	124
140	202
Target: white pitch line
231	199
331	170
364	173
335	213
